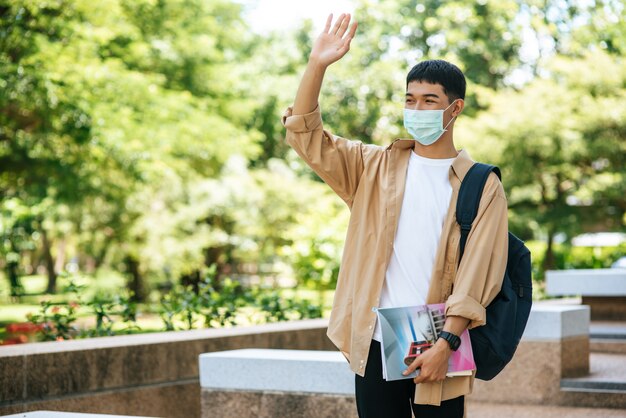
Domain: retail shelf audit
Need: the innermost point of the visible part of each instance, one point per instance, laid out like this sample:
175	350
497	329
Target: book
409	331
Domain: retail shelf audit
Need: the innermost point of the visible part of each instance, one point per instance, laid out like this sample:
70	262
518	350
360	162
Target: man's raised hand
333	43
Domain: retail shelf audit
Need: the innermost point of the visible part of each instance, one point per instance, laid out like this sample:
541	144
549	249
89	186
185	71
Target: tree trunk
47	255
12	271
14	279
135	284
59	265
192	279
91	264
549	260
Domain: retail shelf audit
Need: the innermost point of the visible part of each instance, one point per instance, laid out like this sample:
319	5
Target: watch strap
453	340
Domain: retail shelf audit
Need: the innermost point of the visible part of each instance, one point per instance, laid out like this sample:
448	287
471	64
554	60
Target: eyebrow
424	95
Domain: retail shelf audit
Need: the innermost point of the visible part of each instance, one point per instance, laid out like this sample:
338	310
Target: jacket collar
460	166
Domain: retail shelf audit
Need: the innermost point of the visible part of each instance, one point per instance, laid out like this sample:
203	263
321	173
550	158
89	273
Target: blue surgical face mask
426	126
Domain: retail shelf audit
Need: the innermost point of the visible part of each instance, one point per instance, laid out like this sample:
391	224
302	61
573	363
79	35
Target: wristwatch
453	340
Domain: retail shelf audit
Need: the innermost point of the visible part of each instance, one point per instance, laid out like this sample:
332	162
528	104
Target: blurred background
144	174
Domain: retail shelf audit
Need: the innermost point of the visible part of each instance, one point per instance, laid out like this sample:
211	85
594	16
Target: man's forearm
456	325
310	87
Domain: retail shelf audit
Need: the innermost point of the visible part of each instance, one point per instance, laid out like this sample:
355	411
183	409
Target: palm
332	44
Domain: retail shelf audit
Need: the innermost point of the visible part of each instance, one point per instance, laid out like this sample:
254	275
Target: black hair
448	75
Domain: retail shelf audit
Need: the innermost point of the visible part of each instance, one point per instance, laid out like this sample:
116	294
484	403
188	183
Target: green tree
100	98
559	141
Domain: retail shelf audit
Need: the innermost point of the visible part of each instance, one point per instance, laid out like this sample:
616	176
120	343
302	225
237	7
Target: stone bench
604	290
261	383
292	383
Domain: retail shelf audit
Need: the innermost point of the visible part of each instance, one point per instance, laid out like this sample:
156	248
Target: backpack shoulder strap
469	197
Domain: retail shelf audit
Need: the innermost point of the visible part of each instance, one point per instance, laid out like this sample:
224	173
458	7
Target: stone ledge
556	322
157	338
586	282
277	370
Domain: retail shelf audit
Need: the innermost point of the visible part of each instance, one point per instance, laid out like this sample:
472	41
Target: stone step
605	345
608	330
607	337
605	386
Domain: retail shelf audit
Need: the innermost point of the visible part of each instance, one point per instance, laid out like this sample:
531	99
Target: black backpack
494	343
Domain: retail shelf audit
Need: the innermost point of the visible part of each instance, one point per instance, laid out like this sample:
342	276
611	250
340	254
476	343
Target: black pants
377	398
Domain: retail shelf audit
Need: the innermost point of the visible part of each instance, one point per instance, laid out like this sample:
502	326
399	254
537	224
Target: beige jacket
370	179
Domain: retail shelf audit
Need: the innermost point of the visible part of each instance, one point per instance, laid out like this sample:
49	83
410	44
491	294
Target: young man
402	245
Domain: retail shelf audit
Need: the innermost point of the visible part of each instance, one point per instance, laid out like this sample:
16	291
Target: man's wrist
316	64
443	345
453	340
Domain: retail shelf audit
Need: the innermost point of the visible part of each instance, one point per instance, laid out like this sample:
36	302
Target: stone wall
147	374
555	345
157	374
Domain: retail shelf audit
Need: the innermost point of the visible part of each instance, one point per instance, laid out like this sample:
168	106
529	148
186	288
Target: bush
226	303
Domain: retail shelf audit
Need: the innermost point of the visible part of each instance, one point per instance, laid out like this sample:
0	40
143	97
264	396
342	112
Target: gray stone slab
555	322
586	282
608	332
277	370
593	385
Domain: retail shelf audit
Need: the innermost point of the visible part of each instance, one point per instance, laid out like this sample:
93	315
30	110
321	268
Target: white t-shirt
425	203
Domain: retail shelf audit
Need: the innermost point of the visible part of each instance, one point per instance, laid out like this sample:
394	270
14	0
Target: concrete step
607	337
605	387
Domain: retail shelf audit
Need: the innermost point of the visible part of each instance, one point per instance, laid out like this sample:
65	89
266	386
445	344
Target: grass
15	312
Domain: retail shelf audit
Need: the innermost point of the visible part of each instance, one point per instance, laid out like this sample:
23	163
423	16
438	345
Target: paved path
485	410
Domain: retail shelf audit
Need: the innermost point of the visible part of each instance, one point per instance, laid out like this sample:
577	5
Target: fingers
352	32
329	20
344	25
348	38
417	363
338	23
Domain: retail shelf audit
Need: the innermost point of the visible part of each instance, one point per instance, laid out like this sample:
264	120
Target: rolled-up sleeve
338	161
481	271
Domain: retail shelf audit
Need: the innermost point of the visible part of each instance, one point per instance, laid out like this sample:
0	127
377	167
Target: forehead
420	88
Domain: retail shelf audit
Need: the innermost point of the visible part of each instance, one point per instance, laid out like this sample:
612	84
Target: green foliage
105	309
274	307
570	257
212	306
225	304
208	306
102	102
562	158
18	226
144	138
57	321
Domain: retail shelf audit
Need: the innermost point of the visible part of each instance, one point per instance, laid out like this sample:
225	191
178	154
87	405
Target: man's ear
458	107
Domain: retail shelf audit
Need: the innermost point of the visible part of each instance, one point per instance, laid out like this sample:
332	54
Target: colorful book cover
409	331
